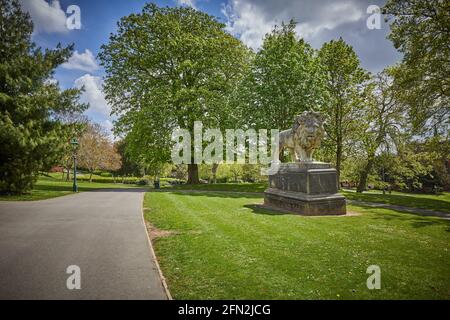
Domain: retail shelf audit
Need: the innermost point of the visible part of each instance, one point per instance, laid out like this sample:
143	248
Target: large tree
30	104
96	151
346	87
166	68
420	29
381	123
128	167
285	79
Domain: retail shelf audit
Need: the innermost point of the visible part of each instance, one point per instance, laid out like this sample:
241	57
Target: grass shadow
46	187
416	220
401	200
214	194
229	187
262	209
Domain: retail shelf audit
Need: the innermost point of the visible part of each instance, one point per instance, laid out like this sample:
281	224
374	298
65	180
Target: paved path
102	232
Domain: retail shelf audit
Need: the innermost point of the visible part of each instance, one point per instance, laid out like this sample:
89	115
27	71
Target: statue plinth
306	188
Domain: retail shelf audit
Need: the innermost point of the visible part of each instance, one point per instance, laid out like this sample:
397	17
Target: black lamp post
74	143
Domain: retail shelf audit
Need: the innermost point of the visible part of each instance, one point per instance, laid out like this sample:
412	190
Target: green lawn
224	246
439	202
52	186
238	187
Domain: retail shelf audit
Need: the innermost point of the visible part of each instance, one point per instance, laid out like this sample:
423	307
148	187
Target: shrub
105	174
143	182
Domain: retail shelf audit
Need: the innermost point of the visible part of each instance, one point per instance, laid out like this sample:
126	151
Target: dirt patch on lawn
352	213
156	233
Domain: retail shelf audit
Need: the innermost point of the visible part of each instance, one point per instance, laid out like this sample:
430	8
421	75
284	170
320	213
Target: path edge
161	276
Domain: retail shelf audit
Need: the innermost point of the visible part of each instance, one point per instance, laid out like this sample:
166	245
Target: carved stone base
305	188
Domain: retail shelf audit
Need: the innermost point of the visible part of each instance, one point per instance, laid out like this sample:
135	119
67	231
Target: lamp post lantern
74	143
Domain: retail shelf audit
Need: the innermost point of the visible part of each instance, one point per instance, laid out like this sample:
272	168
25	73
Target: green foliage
166	68
345	85
407	170
232	173
178	172
129	166
105	174
285	79
30	104
421	31
439	148
382	122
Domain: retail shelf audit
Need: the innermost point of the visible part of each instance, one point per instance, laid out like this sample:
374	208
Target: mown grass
437	202
225	246
236	187
52	186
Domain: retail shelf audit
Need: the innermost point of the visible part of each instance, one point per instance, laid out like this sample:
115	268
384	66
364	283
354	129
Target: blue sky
249	20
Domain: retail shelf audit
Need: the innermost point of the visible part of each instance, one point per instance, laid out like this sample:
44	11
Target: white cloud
318	21
332	16
51	81
108	126
99	111
47	17
93	94
189	3
84	61
250	20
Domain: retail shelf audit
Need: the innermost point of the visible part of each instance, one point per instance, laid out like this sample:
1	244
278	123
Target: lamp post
74	143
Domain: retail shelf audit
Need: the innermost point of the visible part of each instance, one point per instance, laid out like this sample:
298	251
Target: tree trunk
363	178
338	162
90	176
193	174
68	170
214	168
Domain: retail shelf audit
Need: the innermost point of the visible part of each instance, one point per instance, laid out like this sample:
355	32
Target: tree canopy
30	102
285	79
345	83
166	68
420	29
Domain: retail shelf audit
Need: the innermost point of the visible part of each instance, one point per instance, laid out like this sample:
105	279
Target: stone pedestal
306	188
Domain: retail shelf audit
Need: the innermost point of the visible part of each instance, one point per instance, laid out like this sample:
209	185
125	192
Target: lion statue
304	136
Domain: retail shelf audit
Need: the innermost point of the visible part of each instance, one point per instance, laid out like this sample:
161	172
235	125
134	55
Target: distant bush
143	182
127	180
105	174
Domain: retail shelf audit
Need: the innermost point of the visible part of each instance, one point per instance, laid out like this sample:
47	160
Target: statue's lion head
309	130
